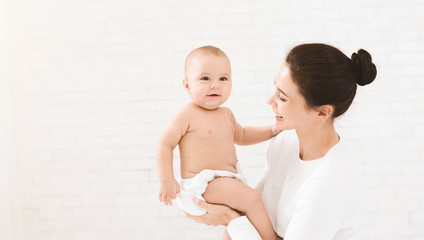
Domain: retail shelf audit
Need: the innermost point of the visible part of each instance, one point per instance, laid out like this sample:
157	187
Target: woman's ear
325	112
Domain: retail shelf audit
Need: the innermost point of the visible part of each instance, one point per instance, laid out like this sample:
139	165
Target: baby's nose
215	85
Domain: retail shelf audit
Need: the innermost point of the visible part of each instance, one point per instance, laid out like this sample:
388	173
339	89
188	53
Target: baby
206	134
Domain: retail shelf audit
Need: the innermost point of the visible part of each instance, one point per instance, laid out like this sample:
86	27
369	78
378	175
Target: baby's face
208	80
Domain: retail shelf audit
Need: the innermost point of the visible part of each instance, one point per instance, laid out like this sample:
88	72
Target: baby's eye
223	79
205	78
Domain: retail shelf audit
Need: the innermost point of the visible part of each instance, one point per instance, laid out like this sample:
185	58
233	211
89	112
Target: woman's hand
216	214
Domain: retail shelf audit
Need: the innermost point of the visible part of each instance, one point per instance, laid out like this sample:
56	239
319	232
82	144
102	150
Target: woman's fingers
198	219
205	219
207	206
201	203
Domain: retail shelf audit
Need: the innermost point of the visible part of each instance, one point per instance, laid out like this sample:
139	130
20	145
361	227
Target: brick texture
94	82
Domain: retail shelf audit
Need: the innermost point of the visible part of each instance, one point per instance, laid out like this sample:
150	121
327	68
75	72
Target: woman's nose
270	100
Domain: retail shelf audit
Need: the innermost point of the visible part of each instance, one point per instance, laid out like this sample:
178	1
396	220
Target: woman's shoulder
281	144
338	168
284	136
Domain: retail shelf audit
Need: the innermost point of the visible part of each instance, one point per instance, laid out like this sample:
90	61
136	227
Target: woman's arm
238	226
217	214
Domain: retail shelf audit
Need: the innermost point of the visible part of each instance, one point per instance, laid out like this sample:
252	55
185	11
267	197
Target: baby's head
208	77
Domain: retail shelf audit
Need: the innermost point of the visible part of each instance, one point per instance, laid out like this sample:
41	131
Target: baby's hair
207	50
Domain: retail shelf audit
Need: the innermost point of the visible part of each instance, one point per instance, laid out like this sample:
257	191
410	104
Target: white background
88	85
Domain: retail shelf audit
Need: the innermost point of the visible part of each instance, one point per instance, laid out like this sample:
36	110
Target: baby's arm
251	135
169	139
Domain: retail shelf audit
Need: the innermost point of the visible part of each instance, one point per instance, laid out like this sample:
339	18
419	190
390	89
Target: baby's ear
185	83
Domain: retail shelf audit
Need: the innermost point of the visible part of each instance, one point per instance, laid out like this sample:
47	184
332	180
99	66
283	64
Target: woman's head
317	83
324	75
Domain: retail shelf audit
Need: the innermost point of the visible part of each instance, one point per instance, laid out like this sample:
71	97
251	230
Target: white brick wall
94	82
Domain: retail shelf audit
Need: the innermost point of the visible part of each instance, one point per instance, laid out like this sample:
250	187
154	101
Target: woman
309	186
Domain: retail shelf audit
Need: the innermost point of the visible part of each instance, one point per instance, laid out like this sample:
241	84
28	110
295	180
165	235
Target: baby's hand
168	191
274	130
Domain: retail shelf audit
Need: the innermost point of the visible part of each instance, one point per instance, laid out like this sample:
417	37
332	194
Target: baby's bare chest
212	127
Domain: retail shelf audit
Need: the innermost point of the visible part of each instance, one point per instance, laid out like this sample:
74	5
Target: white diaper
196	186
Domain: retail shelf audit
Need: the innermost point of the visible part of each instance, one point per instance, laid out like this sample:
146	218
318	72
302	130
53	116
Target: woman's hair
324	75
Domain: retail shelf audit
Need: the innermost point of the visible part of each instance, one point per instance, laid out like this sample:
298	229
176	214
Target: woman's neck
316	141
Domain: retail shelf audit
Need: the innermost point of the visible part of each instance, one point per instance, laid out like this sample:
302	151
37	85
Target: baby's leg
237	195
225	235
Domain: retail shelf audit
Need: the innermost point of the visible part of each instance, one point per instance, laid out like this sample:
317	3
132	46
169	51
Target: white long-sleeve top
318	199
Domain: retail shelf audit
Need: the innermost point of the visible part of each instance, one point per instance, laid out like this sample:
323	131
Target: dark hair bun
363	67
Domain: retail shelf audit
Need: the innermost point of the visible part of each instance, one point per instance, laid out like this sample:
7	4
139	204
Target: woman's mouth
213	95
279	117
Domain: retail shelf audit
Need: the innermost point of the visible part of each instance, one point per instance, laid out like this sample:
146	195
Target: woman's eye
282	99
205	78
223	79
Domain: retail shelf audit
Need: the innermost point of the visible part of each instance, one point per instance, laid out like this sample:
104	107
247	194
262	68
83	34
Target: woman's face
288	104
